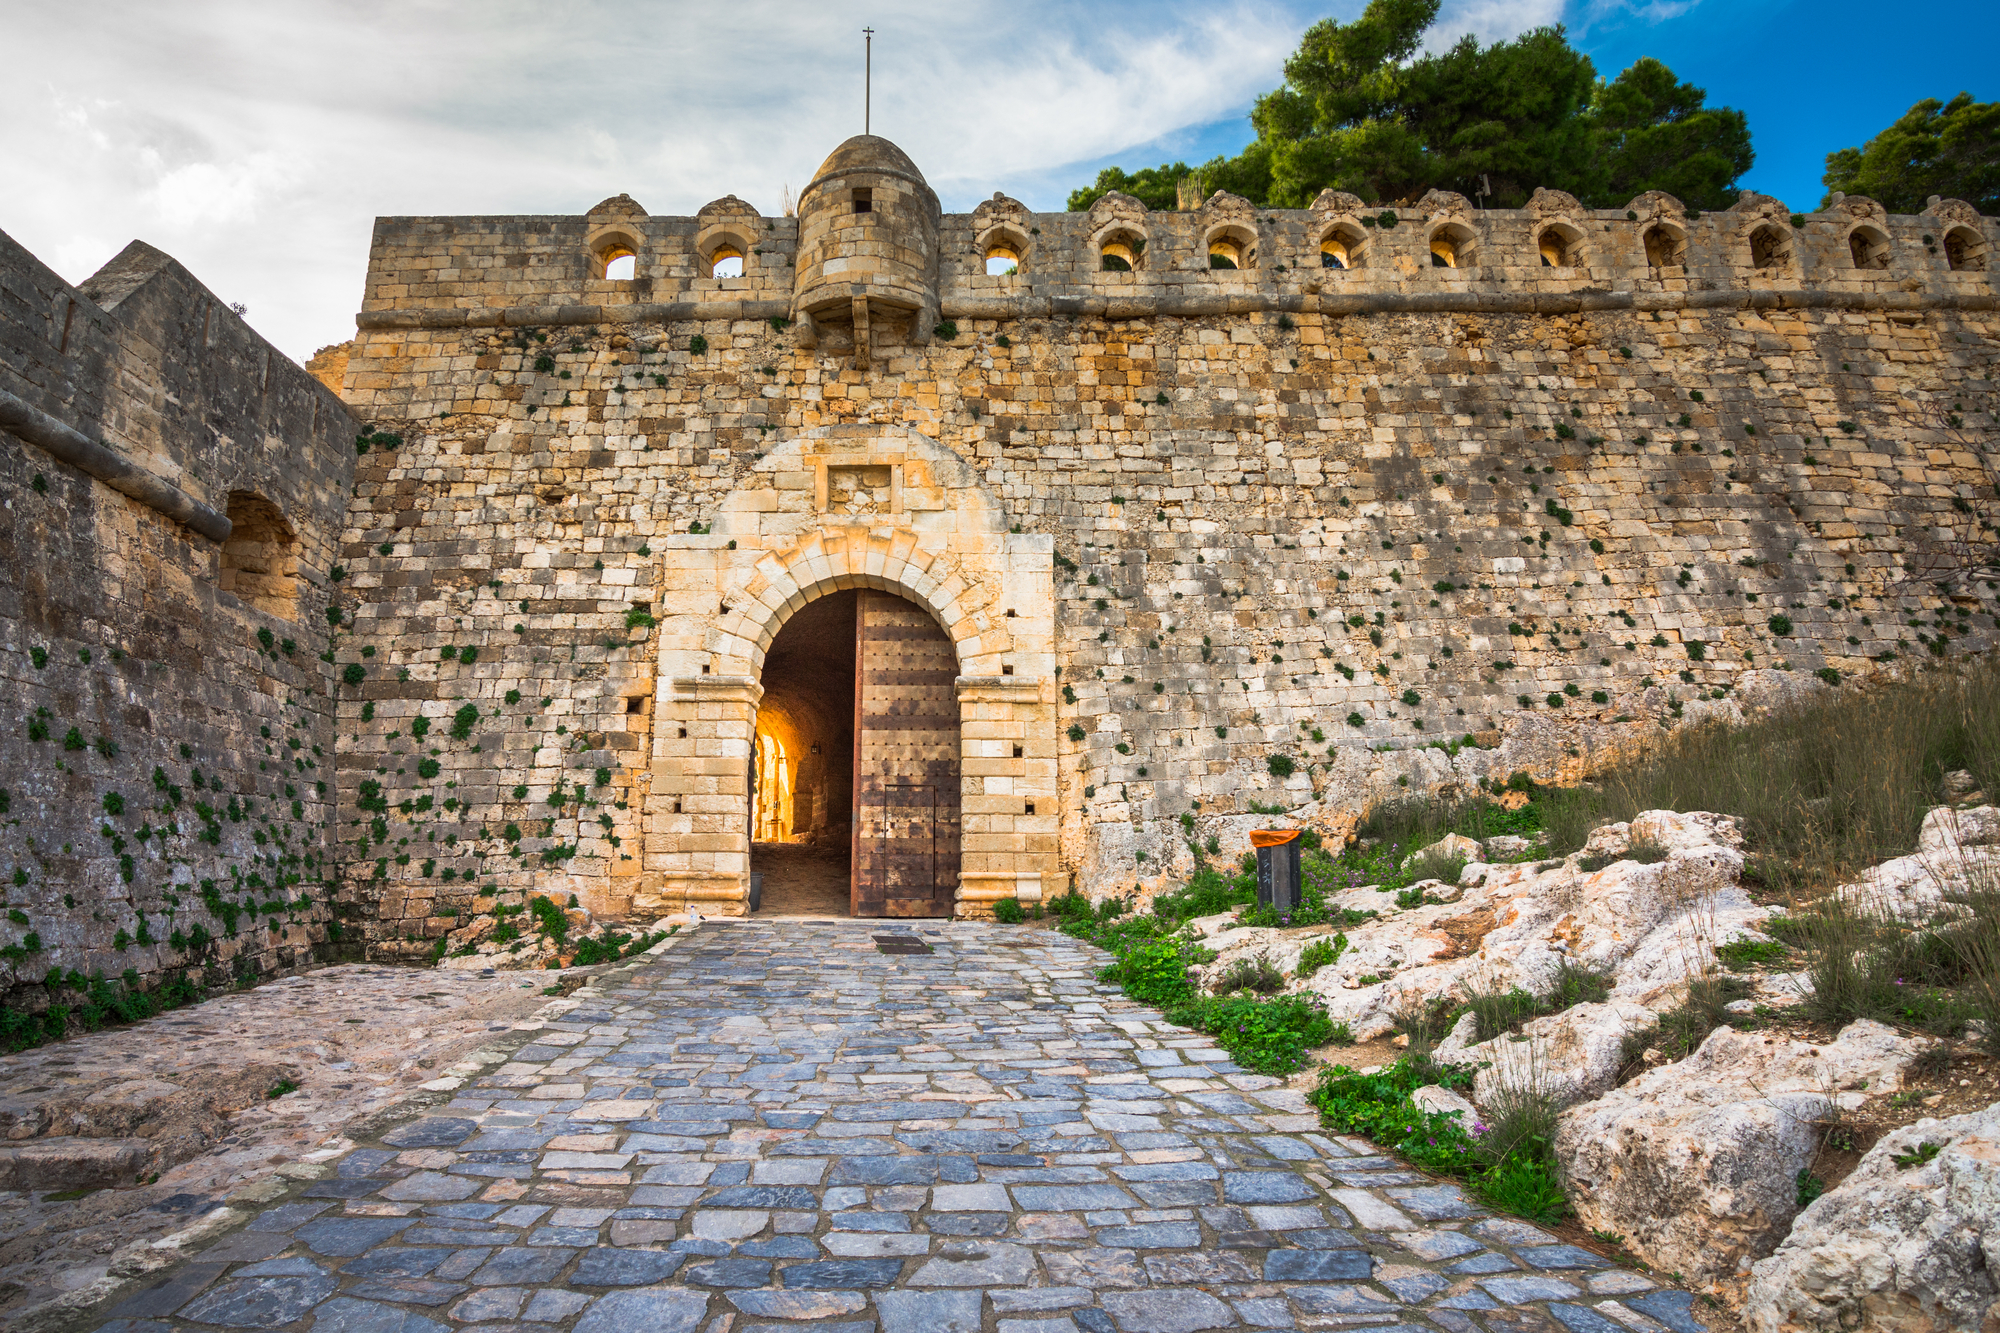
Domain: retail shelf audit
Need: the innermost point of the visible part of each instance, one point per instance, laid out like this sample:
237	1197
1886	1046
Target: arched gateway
884	510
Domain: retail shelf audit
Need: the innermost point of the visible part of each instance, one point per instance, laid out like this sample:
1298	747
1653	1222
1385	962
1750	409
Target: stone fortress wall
1207	540
1546	479
171	490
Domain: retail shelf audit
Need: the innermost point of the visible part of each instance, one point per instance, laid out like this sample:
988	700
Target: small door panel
906	761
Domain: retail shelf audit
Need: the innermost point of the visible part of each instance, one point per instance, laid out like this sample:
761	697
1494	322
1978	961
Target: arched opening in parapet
1003	250
1343	246
1770	247
1868	248
260	561
614	256
1232	247
1452	246
854	782
1965	250
1560	246
1121	251
1666	246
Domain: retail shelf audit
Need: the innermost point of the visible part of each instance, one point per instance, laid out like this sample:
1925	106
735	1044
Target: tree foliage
1361	110
1951	149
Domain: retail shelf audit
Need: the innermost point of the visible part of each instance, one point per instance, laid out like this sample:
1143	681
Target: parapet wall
1329	517
168	743
521	271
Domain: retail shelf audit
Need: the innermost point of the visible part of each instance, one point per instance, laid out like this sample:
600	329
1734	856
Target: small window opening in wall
621	266
704	668
1010	613
260	561
864	201
1868	248
1018	752
1965	250
684	733
677	807
1451	247
1770	247
1559	247
1007	670
1031	808
1120	253
1665	247
636	704
1341	247
1002	261
726	262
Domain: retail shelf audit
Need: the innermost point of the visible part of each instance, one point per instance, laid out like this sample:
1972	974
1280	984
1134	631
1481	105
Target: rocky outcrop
1957	850
1696	1163
1902	1246
1650	925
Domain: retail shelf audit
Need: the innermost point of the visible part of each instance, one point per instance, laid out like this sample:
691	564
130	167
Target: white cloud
256	140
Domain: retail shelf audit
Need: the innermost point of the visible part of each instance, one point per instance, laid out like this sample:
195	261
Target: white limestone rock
1436	1100
1571	1056
1908	1249
1956	850
1451	844
1695	1163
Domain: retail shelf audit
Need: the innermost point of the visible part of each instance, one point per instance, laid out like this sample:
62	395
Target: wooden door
906	769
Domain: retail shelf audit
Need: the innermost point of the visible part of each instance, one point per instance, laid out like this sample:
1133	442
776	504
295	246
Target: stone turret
868	247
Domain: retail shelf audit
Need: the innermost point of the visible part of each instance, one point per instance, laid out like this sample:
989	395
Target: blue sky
256	140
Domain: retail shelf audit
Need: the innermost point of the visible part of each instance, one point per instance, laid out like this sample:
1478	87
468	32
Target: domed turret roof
868	152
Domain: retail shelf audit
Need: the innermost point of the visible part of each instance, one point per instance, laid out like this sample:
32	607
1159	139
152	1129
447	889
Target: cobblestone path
774	1127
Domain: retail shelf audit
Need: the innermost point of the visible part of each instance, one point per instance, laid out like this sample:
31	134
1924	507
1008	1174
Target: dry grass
1822	789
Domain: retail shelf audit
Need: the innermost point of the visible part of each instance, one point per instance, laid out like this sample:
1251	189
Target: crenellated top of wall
1122	260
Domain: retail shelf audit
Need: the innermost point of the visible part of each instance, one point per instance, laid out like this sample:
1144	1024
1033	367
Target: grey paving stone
1521	1290
1264	1187
1437	1246
1583	1319
1559	1256
1151	1236
1317	1266
654	1309
1167	1311
728	1273
287	1215
798	1304
1071	1198
605	1266
1338	1300
345	1315
409	1290
1416	1288
261	1302
928	1311
170	1293
977	1264
1436	1202
431	1187
1675	1309
341	1237
518	1266
842	1274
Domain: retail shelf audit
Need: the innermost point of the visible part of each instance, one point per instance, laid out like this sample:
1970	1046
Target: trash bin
1277	868
757	891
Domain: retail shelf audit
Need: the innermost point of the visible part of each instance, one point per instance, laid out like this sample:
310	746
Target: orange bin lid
1272	837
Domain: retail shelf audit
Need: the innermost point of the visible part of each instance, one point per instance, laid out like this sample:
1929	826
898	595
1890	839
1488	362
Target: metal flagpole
867	78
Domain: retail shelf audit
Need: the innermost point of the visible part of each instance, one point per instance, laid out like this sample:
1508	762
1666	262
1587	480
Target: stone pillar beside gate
1007	726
